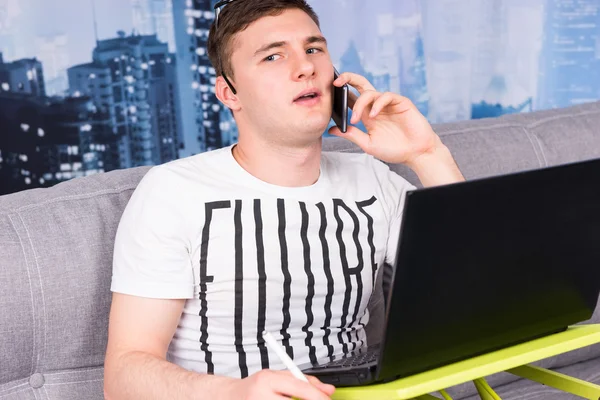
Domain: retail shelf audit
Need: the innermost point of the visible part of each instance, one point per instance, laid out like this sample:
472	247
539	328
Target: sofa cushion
55	268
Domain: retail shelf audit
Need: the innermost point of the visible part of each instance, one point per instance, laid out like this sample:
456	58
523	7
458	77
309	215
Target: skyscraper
448	40
570	61
41	138
154	17
53	54
200	107
24	76
132	80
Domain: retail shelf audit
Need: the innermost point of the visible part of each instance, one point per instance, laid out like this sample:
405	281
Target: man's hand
396	132
277	385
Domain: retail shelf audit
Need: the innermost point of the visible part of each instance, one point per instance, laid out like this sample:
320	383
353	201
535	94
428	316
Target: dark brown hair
237	16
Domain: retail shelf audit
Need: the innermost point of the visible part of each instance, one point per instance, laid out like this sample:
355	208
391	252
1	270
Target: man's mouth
308	95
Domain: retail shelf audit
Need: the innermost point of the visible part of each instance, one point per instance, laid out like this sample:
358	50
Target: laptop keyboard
354	361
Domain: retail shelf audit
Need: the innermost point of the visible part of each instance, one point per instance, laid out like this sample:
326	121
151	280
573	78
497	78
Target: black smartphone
340	104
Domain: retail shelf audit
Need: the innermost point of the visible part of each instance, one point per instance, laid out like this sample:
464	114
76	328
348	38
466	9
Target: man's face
276	62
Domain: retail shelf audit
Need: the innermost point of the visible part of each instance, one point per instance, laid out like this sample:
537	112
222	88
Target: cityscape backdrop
88	86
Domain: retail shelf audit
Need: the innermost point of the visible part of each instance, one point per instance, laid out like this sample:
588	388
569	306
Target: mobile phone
339	112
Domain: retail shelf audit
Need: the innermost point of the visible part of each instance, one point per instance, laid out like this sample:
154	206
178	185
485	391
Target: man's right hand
278	385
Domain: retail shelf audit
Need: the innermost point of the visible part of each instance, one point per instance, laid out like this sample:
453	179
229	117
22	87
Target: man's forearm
437	168
138	375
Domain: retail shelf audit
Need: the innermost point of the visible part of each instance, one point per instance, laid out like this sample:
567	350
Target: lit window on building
5	86
41	132
25	127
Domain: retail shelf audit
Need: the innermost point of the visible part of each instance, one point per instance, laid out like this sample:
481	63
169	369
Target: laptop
482	265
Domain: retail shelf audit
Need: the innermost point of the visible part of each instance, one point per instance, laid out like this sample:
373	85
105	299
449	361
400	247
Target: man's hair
237	16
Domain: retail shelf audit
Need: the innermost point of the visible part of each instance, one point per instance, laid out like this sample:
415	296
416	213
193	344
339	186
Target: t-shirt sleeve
152	246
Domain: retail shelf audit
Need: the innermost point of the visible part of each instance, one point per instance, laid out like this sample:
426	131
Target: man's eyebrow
316	39
274	45
269	46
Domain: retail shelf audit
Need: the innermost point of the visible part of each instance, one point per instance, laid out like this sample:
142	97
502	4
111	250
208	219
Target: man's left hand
396	131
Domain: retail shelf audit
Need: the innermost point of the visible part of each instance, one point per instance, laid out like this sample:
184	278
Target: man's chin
316	124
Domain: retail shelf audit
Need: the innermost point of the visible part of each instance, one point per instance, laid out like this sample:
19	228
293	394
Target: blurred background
88	86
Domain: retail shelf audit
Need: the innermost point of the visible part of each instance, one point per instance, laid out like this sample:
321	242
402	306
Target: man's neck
279	165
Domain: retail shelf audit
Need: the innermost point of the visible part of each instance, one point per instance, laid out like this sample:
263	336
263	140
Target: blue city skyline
141	67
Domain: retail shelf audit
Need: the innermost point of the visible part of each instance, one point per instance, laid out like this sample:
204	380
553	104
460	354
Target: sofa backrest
56	247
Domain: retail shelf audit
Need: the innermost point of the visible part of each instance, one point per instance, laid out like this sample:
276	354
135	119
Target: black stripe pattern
239	290
262	288
287	278
204	279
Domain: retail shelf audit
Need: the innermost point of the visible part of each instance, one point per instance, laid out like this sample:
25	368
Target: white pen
276	347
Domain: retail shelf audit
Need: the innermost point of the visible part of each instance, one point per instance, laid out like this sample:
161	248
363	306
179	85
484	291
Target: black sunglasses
218	6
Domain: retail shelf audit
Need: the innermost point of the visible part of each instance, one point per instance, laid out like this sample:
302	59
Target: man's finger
352	99
324	387
364	102
354	135
358	81
382	101
289	385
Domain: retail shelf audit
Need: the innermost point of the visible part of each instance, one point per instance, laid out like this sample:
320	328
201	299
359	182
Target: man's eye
272	57
313	50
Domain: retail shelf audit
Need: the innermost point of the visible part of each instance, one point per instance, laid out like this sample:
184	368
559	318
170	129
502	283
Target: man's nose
305	68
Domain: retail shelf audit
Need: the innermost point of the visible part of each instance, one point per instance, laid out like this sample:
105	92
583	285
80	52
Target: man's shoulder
192	167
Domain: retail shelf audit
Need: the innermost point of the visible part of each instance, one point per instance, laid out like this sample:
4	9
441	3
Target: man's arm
139	333
140	330
436	167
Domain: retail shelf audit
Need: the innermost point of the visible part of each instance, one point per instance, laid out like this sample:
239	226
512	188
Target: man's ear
225	95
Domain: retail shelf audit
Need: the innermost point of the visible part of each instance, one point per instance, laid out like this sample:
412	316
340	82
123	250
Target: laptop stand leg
558	381
484	390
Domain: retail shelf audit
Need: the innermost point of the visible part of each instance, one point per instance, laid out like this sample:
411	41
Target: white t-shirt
250	256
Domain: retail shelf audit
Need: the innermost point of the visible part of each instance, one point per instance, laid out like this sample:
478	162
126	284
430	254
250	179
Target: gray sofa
56	250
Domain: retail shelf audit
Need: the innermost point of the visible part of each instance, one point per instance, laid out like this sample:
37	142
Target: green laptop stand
513	359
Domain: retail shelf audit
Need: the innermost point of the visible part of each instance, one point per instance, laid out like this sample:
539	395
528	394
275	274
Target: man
270	234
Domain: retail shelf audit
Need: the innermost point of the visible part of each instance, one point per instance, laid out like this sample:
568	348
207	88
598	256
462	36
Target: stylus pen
276	347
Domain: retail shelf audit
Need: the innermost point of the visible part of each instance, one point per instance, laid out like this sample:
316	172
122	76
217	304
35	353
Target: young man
270	234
